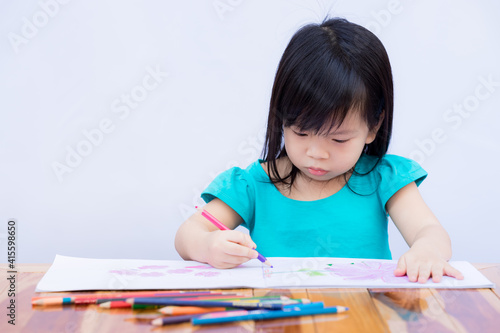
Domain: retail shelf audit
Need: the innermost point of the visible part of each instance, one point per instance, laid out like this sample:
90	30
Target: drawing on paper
157	271
371	270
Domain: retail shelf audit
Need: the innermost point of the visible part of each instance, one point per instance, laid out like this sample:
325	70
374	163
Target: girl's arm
200	240
430	245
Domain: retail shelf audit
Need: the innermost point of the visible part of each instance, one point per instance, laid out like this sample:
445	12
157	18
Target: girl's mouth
317	172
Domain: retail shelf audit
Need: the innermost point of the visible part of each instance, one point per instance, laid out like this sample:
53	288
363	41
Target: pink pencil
221	226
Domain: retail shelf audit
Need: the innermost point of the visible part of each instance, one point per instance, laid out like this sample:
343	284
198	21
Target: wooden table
371	310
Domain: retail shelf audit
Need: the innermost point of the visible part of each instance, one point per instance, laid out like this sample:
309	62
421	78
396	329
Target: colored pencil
121	302
238	304
125	305
173	320
185	310
162	321
222	317
310	305
222	297
234	299
180	296
92	298
256	299
119	294
221	226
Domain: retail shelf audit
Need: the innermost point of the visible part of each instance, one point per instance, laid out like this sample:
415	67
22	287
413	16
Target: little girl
325	185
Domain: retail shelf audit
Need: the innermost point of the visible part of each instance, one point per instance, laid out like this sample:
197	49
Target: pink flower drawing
207	274
179	271
369	270
152	267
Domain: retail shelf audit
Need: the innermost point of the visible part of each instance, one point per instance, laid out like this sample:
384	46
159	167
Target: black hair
327	70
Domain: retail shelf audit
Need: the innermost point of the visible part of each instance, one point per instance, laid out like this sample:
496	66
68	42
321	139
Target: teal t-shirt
351	223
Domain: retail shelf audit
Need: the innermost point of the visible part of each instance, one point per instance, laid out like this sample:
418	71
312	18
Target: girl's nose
316	150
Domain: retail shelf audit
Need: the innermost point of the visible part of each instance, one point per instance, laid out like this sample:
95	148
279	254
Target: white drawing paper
70	273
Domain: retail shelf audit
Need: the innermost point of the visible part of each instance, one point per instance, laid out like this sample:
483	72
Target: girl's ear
373	133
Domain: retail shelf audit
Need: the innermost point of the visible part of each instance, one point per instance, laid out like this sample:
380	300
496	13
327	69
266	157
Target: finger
250	242
424	272
224	260
437	273
412	271
453	272
236	261
241	238
234	249
401	267
220	265
230	263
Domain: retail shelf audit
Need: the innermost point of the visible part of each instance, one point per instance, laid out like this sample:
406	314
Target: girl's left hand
420	263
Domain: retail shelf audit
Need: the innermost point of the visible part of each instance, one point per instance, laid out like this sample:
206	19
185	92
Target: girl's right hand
229	248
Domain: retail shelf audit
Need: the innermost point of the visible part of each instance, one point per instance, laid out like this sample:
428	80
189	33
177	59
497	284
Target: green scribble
311	272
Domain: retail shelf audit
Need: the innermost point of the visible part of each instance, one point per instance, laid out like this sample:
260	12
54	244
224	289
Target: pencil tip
156	322
166	310
268	263
105	305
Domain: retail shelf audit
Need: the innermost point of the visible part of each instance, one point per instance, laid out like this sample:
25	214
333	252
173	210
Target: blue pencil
264	314
313	305
236	304
162	321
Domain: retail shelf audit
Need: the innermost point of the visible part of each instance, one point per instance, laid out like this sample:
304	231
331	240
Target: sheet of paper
69	273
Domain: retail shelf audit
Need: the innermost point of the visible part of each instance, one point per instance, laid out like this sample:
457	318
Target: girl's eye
300	134
340	141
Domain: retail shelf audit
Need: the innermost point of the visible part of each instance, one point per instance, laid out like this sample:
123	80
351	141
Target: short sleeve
395	173
235	188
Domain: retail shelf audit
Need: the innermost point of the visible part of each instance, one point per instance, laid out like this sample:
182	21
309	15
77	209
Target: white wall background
80	69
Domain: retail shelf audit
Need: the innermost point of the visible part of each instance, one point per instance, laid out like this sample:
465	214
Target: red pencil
116	305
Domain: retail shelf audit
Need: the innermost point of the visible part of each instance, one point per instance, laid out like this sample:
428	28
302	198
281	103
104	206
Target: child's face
324	157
